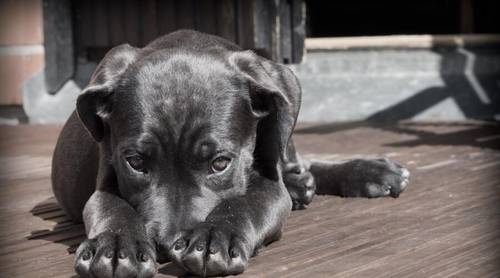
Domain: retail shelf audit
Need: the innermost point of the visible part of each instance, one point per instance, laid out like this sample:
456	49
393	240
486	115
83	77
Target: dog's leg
356	178
117	245
298	179
234	230
369	178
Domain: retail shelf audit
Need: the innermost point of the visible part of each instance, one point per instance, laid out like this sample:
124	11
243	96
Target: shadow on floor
71	234
64	231
485	135
173	270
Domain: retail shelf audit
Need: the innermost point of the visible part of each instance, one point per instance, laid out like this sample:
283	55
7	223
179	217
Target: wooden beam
226	19
298	30
404	41
58	43
285	32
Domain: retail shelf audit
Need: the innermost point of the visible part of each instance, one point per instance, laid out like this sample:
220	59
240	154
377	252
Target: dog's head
180	131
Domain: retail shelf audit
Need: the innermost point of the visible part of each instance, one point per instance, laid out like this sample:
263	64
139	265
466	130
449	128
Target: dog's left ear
275	91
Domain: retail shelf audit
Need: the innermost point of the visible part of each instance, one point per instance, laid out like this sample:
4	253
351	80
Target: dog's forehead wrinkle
173	118
195	104
179	67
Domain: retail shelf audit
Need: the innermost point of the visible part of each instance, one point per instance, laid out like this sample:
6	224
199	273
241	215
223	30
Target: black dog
181	150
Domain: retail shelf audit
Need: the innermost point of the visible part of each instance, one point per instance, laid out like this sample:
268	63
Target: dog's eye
220	164
136	162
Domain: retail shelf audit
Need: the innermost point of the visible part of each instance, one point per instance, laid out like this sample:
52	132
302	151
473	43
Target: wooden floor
447	223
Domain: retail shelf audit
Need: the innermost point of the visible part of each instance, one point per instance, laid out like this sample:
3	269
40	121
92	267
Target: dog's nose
162	249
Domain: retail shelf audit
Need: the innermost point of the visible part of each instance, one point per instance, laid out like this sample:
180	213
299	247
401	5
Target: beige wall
21	46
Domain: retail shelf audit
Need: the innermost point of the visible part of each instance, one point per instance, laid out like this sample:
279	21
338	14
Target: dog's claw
300	184
374	178
211	250
96	257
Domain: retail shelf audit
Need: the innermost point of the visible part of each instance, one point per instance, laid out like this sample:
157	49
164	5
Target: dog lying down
181	151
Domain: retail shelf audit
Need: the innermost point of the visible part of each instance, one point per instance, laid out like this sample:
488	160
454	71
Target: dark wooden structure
447	224
275	29
58	43
87	29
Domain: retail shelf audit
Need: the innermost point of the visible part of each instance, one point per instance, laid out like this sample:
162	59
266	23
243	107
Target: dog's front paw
114	255
211	250
374	178
300	185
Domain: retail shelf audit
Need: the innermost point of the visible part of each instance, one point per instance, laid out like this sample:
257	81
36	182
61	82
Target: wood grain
445	225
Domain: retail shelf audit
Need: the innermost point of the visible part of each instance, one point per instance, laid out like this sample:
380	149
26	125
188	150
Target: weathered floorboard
447	224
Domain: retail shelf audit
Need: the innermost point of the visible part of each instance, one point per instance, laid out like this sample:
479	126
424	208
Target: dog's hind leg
74	168
298	179
369	178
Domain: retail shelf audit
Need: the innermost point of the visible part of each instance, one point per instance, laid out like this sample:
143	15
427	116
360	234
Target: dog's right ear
96	101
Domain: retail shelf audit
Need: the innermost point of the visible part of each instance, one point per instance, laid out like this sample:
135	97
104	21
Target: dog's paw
113	255
374	178
300	184
211	250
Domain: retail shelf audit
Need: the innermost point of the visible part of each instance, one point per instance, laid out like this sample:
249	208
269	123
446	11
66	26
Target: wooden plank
266	32
285	40
132	27
245	10
58	43
149	21
226	19
444	225
116	22
84	25
204	16
298	30
166	16
402	41
100	12
185	14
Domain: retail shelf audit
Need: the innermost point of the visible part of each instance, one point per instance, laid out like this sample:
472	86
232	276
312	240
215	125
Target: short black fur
182	151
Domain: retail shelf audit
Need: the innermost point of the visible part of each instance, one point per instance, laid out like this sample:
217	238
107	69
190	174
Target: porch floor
447	223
